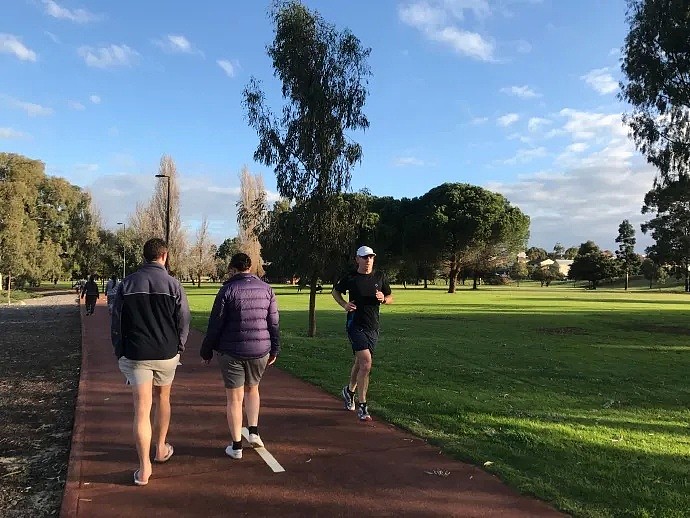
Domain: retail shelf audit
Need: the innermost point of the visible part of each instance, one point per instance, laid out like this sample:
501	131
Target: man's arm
272	320
215	326
385	295
347	306
116	323
183	318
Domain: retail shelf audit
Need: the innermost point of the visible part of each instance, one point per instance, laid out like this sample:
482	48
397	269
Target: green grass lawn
579	397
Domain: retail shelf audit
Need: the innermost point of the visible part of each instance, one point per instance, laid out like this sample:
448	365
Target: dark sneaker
363	413
349	399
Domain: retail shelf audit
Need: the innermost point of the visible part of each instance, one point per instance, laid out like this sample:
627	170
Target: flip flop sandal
167	456
138	482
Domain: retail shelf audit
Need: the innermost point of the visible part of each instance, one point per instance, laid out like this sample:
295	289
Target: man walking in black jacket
150	324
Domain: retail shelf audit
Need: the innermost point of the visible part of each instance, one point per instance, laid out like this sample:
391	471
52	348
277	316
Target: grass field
579	397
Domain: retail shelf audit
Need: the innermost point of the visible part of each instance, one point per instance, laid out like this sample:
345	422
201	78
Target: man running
367	290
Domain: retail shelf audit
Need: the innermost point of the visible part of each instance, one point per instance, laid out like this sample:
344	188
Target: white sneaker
255	440
235	454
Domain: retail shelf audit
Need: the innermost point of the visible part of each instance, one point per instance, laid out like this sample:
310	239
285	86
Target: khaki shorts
137	372
237	373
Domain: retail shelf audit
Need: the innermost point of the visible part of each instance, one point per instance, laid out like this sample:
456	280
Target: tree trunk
627	278
426	284
9	285
198	281
452	279
312	307
474	281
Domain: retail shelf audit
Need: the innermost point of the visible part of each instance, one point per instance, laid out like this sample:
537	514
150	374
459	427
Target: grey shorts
237	373
137	372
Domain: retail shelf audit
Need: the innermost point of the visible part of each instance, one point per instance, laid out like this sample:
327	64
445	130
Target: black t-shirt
362	289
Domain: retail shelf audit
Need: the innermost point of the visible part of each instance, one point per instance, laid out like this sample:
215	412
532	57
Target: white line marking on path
264	454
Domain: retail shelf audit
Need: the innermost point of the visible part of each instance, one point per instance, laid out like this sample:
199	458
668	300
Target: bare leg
142	427
252	402
161	421
364	362
234	412
352	385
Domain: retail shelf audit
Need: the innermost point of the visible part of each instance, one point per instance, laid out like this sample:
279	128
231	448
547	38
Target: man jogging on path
243	330
149	329
367	289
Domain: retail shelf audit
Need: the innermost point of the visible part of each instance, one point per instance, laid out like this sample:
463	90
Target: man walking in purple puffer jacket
243	330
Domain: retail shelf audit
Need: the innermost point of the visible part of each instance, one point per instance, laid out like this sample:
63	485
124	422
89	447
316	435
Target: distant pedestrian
149	329
91	293
110	292
243	330
367	290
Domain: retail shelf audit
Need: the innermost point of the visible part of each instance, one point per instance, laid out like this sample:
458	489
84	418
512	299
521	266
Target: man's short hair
241	262
154	249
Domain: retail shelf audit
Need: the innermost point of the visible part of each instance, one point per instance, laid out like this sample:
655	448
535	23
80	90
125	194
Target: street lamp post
124	249
167	216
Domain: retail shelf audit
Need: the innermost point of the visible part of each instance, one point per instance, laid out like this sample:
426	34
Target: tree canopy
656	65
324	76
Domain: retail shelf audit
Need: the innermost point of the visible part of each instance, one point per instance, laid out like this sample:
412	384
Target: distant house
563	265
522	257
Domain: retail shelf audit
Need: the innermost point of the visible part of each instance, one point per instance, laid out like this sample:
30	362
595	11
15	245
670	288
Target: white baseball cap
364	251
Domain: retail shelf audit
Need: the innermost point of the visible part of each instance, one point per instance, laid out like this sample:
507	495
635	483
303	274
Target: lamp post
124	249
167	217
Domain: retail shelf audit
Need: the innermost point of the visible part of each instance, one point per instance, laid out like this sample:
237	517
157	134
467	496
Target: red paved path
335	466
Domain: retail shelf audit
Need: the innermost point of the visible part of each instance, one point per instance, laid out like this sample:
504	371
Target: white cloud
595	182
76	105
74	15
10	44
577	147
437	23
95	99
31	109
8	133
615	51
108	57
87	168
176	44
117	195
407	161
52	37
508	119
228	67
601	80
523	47
523	92
526	155
536	123
590	125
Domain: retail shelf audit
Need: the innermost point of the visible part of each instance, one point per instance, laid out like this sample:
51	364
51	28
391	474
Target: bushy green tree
656	66
324	74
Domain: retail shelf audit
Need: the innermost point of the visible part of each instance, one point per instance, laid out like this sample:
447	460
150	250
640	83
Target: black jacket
151	316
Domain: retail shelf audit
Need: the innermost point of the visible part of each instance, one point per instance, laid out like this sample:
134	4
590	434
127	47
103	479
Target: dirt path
334	465
40	351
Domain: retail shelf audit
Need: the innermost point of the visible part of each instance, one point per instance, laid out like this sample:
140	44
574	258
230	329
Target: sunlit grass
579	397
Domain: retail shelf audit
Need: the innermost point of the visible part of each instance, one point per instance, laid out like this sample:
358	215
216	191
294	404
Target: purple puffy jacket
244	320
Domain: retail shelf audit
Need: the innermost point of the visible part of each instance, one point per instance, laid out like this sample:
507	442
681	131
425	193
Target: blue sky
518	96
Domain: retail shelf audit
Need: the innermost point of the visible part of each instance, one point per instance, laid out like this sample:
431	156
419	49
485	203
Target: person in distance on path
367	291
91	293
149	329
243	330
110	291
